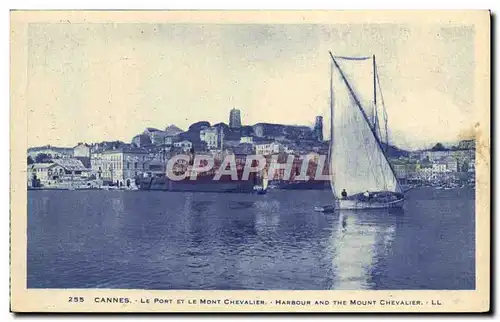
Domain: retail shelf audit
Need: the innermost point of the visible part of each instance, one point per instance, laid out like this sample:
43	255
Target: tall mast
330	150
375	110
374	82
331	103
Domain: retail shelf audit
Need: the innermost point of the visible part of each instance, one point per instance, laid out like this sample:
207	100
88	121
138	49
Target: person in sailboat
344	194
367	195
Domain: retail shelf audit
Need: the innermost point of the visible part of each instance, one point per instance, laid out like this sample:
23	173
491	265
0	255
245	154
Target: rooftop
70	164
40	165
126	149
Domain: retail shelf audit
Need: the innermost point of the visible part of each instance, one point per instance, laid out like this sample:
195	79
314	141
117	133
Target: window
135	165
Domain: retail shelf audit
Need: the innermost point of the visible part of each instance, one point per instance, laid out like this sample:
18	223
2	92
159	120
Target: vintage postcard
250	161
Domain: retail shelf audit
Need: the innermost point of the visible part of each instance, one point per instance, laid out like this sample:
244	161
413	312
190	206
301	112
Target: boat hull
304	185
200	185
360	204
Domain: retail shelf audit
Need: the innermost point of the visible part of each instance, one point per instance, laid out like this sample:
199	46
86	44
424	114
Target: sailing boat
362	176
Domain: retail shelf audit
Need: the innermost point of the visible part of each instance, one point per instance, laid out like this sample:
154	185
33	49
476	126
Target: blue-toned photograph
176	156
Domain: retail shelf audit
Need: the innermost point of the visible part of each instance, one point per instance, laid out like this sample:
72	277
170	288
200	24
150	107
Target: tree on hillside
464	167
43	158
30	160
438	147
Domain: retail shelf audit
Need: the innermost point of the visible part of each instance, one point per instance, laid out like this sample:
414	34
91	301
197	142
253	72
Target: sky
108	81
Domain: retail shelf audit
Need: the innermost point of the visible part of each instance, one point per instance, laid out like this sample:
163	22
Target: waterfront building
40	171
96	163
210	135
72	166
61	170
234	118
121	166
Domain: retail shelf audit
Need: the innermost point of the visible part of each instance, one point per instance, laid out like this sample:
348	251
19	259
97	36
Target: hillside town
117	164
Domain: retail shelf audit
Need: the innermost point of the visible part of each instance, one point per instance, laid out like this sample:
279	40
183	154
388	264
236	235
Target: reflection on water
267	216
159	240
361	239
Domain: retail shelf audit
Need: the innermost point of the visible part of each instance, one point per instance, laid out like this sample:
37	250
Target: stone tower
234	118
318	128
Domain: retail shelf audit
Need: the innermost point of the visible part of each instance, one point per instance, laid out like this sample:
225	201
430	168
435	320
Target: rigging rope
386	119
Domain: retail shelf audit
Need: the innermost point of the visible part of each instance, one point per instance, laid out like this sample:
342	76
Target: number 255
75	299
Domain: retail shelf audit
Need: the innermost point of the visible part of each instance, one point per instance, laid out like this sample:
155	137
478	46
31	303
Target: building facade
121	166
460	155
141	140
268	148
81	150
467	144
60	171
183	145
210	136
246	139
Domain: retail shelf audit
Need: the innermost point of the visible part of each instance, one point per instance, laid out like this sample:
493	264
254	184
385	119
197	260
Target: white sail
361	71
358	162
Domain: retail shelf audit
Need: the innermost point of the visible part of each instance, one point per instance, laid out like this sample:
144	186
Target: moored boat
202	183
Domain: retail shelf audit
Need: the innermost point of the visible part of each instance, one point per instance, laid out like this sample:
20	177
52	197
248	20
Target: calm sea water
171	240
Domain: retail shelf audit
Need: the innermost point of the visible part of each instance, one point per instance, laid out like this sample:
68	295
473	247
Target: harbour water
186	240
